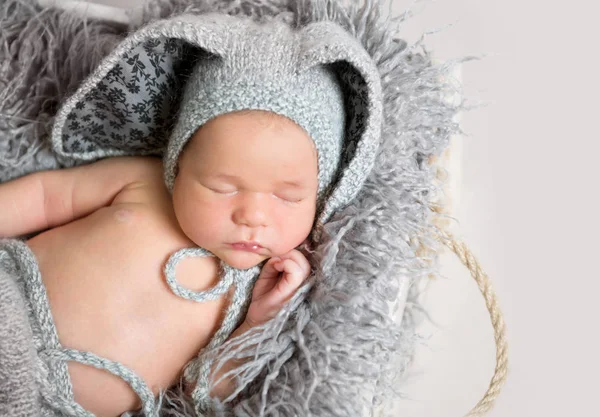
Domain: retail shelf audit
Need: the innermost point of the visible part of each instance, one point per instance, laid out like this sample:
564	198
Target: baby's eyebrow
293	184
223	176
285	183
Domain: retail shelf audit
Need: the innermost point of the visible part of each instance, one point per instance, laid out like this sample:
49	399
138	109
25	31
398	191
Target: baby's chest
107	291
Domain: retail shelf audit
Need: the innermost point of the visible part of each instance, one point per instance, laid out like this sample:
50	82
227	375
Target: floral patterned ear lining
131	110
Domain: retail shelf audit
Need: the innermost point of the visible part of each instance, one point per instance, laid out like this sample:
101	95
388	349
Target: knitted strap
57	400
53	378
199	369
135	382
199	296
466	257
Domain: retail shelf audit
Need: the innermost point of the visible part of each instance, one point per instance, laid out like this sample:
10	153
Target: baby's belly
108	296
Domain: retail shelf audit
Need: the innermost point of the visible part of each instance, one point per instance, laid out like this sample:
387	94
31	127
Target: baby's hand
279	279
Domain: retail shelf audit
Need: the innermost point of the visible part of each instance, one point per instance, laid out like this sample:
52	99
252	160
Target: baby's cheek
293	230
209	216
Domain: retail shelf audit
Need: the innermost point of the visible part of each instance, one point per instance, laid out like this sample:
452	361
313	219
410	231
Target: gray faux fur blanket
336	349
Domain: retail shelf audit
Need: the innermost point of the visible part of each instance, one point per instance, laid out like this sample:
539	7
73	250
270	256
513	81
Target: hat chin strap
198	370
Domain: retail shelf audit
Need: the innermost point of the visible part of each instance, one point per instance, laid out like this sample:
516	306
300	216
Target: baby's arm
279	280
51	198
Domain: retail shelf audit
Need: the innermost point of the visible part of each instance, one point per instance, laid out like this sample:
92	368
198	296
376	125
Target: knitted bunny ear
331	44
128	106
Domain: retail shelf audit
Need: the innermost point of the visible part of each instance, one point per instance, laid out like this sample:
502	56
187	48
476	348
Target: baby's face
247	187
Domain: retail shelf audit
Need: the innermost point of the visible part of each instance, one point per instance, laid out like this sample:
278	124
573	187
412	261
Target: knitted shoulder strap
468	259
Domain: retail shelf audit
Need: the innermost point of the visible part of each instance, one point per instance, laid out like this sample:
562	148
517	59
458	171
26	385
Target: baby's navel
123	215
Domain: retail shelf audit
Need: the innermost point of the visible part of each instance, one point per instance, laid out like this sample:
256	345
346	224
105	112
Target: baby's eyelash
228	192
289	200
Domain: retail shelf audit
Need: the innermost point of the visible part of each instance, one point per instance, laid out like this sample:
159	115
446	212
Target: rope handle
468	259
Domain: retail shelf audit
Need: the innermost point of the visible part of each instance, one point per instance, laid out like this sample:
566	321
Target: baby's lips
247	246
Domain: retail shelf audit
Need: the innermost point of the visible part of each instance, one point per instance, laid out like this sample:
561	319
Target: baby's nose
250	210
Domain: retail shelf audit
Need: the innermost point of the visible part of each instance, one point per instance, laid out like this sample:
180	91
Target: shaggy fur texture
335	350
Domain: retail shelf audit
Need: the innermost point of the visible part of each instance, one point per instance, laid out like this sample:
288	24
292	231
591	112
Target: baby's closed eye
223	190
290	198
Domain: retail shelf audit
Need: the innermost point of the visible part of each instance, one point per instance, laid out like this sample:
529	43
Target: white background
528	207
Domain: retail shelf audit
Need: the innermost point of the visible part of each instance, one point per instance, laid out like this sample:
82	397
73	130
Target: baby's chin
241	259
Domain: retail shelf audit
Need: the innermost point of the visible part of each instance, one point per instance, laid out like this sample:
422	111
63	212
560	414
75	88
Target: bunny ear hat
338	347
167	79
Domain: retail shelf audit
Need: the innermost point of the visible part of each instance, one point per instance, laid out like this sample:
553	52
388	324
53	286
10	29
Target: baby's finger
293	275
304	264
300	259
288	284
269	270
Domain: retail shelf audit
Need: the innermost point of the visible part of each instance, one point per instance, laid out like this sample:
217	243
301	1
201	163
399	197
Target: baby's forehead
241	125
263	140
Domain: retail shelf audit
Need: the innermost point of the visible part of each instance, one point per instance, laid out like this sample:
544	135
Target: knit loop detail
54	397
136	383
199	296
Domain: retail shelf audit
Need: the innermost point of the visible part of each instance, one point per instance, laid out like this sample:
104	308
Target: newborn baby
112	226
242	178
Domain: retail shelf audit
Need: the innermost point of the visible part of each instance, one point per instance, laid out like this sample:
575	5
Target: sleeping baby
141	263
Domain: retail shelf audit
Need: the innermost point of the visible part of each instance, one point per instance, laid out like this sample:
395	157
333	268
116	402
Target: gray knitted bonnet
161	84
268	81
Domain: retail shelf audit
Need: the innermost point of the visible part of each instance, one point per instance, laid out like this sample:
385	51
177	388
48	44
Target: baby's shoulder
145	181
138	168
